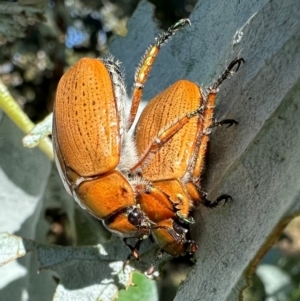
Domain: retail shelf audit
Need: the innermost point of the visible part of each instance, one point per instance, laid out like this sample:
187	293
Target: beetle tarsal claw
237	61
213	204
180	24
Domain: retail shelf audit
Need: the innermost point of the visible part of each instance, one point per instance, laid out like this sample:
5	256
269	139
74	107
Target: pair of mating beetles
142	184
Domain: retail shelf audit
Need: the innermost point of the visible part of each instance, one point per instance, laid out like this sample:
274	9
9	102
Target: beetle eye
135	217
179	229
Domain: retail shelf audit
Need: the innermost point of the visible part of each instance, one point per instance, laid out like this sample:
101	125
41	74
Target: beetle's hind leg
208	119
146	64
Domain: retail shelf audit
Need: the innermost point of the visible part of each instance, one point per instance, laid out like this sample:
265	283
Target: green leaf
142	288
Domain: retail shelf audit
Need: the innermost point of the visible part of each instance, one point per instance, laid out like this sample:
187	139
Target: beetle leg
204	138
134	250
212	204
208	123
145	66
228	122
229	71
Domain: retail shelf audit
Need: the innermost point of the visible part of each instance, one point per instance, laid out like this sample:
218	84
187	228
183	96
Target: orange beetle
88	134
93	149
172	134
134	191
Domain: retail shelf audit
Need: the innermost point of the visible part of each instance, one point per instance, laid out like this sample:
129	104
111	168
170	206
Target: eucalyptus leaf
256	162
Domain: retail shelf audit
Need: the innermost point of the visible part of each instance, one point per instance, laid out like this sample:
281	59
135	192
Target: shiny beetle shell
87	135
87	118
175	157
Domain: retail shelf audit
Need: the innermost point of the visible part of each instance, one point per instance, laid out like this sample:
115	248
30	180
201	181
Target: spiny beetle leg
209	204
229	71
207	116
146	64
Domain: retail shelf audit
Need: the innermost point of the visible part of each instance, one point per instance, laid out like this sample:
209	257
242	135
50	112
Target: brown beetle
139	185
172	134
94	151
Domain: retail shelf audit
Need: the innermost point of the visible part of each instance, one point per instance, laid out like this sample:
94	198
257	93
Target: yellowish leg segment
145	66
208	114
207	124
